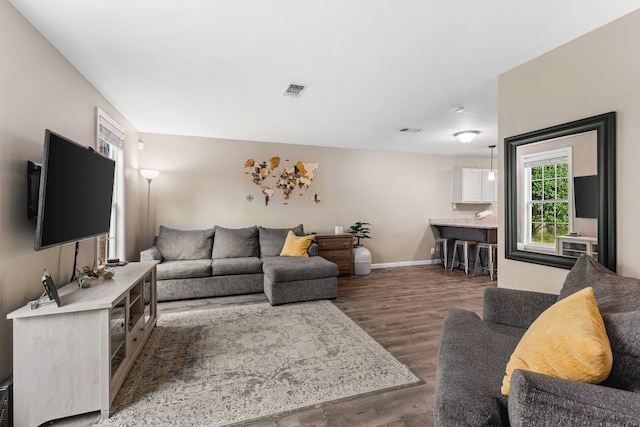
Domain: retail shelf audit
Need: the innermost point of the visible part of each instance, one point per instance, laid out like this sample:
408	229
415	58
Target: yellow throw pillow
567	341
296	245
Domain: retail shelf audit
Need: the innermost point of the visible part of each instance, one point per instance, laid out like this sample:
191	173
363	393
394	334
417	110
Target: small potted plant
361	255
360	231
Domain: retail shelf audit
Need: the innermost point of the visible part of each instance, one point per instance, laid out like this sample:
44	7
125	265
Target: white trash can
361	261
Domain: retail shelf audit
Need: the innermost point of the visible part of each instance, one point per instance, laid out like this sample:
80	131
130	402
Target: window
110	140
548	197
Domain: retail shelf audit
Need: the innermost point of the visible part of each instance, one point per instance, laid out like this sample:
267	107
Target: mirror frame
605	127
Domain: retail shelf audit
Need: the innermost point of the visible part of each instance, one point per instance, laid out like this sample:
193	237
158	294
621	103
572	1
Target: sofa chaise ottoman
223	261
474	354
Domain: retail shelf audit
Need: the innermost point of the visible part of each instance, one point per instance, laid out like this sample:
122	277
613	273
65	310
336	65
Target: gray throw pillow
614	293
185	244
618	300
272	239
235	242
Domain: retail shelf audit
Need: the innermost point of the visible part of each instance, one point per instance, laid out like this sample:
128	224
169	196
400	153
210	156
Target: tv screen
585	190
76	189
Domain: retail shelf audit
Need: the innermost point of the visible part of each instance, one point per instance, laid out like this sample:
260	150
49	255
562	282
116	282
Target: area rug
235	365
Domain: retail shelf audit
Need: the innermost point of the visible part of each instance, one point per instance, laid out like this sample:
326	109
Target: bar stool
443	249
492	250
464	244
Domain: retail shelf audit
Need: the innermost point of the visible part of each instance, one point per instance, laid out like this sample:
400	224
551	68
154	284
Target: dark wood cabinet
337	248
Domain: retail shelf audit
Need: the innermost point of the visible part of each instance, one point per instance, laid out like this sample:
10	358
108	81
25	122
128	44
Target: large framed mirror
560	193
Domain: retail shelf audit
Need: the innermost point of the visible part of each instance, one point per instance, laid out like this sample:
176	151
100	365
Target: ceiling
217	68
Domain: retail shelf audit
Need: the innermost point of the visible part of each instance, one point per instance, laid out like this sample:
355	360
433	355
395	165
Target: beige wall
591	75
39	89
203	183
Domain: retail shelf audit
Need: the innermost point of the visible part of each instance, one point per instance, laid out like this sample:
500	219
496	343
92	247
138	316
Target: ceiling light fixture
466	136
491	176
457	109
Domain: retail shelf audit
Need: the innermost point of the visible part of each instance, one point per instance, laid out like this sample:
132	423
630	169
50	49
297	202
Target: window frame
545	158
110	142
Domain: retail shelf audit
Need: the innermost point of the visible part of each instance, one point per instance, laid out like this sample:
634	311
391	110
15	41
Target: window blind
109	131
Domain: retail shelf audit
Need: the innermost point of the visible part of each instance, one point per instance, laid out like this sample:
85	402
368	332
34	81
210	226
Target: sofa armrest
514	307
151	254
312	250
540	400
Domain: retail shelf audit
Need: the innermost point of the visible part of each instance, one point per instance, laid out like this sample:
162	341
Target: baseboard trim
403	263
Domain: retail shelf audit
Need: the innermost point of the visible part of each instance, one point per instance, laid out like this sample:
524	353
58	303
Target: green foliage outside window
549	202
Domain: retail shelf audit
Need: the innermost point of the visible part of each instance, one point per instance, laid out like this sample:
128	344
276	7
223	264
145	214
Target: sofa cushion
567	341
296	245
289	269
618	299
185	244
235	242
184	269
272	239
231	266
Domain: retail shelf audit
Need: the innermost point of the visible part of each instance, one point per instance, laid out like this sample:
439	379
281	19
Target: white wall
39	89
591	75
203	183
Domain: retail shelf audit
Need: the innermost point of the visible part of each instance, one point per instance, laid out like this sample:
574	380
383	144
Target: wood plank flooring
402	309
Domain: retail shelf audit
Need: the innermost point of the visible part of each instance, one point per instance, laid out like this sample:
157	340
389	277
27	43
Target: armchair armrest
540	400
151	254
514	307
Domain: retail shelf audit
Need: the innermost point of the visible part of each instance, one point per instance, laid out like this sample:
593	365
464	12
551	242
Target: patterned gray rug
231	366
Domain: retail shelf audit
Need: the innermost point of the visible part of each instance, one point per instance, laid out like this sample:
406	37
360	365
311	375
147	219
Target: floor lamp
149	175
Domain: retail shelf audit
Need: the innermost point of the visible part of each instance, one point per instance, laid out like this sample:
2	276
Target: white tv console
73	359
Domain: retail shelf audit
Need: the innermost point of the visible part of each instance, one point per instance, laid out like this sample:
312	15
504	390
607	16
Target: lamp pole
149	175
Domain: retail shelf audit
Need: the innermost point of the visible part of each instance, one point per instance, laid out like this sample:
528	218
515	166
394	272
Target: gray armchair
474	352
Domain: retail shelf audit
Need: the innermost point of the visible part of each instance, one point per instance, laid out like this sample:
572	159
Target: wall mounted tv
585	190
75	192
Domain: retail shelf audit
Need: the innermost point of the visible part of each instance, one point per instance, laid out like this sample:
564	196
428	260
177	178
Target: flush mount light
466	136
457	109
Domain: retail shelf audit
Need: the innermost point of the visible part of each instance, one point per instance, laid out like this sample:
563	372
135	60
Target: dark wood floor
401	308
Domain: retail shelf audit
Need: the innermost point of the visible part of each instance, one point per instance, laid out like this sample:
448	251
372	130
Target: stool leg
475	264
490	263
466	259
444	254
454	256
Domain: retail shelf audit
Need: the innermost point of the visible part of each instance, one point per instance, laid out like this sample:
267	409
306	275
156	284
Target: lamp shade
466	136
149	174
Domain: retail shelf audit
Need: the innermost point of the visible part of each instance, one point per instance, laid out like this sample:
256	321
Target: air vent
293	90
410	130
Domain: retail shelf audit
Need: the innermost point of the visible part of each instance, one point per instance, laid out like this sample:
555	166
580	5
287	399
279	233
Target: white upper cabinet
473	186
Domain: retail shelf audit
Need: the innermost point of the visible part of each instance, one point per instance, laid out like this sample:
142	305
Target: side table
337	248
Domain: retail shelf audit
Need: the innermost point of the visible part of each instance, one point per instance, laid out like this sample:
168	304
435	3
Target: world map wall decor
300	175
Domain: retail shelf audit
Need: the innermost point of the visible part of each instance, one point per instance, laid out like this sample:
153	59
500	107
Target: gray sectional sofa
224	261
474	353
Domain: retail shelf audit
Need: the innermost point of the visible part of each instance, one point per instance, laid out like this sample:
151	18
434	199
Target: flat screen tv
585	190
75	194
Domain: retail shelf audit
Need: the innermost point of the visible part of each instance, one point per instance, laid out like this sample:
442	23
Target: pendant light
492	175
